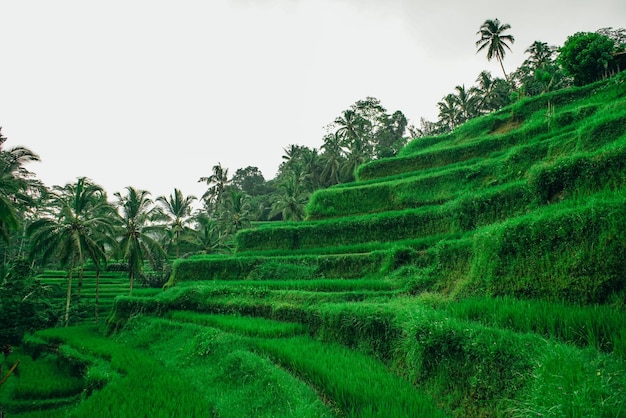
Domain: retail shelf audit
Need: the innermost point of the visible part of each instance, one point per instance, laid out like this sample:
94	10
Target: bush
587	56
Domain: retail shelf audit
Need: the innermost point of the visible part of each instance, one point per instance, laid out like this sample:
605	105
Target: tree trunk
504	72
97	294
68	298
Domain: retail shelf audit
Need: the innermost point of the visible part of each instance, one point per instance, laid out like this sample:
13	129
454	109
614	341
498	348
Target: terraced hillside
479	273
109	285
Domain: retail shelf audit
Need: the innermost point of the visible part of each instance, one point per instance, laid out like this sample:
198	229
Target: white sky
153	93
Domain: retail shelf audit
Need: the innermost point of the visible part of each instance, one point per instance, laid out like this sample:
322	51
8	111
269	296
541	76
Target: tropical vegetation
469	267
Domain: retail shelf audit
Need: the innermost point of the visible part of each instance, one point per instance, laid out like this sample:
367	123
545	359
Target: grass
479	274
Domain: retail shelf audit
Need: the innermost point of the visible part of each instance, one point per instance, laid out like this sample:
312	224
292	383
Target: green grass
479	273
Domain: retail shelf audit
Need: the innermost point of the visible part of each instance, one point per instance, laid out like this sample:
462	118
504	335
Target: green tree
25	304
217	183
138	242
16	185
493	39
450	114
249	180
236	213
290	199
390	138
176	210
79	225
210	235
587	57
332	159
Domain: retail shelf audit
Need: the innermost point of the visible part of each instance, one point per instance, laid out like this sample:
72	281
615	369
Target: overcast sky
152	94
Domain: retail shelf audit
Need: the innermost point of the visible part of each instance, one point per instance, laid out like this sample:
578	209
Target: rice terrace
479	270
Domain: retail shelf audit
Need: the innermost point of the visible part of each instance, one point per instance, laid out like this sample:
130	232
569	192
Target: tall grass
600	327
358	384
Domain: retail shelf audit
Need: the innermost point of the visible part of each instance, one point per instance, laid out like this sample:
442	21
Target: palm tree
15	184
177	210
209	235
494	40
236	210
351	128
332	159
449	112
290	201
217	183
541	54
467	101
137	243
77	229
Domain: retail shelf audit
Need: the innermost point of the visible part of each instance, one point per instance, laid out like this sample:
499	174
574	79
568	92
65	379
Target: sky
153	93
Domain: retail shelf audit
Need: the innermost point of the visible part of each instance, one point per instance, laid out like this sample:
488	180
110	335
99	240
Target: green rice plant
597	326
470	368
559	253
42	384
369	327
220	367
359	385
568	382
254	327
580	174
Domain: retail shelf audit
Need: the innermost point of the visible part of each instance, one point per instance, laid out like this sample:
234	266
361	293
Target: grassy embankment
479	273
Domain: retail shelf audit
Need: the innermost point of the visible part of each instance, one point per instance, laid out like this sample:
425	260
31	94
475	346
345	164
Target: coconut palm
291	199
493	39
332	159
15	184
177	211
217	183
78	227
449	112
138	242
467	101
541	54
236	213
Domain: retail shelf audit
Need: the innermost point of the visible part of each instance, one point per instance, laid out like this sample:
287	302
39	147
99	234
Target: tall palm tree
217	183
236	214
177	210
15	184
138	243
332	159
541	54
77	228
467	101
291	199
449	112
493	39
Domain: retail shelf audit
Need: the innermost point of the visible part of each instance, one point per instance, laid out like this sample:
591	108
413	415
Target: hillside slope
484	267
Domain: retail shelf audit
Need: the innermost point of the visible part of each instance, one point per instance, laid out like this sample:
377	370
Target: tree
77	228
390	137
493	39
15	184
290	200
332	159
177	212
138	243
249	180
541	54
587	57
236	210
450	115
25	303
217	183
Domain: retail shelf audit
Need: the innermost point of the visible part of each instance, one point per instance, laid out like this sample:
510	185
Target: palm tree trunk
504	72
80	283
97	294
68	298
